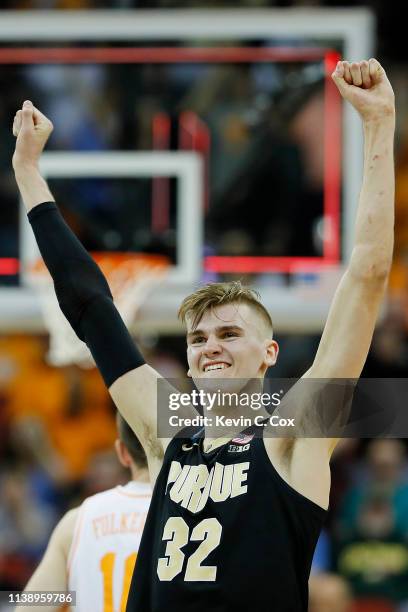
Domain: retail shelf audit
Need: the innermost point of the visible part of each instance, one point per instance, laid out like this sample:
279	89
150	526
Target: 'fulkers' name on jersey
192	485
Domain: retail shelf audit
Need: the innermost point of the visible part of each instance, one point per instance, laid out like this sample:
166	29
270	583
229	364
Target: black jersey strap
197	436
83	294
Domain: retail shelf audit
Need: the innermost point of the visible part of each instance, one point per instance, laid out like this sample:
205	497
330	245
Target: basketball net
131	277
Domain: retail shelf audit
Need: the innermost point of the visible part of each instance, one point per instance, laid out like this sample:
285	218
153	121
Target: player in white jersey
93	549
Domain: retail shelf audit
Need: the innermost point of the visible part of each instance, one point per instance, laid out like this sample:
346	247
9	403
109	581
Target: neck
140	474
212	443
235	410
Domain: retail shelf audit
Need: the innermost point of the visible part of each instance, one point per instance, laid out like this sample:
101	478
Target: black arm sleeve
83	294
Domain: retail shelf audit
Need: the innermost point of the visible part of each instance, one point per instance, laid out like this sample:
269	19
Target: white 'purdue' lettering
221	482
174	472
177	492
193	485
239	477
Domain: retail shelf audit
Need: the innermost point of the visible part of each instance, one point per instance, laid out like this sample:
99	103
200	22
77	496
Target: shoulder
303	463
186	439
98	497
68	521
64	531
91	505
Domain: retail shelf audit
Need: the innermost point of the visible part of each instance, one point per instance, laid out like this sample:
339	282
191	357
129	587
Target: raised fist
366	86
32	130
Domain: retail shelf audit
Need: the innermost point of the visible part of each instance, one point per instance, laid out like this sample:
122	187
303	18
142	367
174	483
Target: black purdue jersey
224	533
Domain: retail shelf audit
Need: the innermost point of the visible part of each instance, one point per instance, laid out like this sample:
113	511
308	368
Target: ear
123	454
189	373
272	351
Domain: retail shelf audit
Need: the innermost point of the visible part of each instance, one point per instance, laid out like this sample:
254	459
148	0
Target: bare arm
350	325
348	332
51	574
136	392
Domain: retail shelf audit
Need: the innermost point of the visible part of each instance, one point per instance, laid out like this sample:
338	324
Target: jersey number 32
177	534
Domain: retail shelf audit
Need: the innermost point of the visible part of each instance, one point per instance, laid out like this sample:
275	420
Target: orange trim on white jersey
139	495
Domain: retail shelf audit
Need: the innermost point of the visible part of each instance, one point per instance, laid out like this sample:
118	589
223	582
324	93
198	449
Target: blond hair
212	295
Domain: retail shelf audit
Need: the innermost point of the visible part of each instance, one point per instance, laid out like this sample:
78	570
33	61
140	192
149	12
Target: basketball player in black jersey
233	523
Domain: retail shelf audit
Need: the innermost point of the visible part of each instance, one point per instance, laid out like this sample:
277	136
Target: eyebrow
223	328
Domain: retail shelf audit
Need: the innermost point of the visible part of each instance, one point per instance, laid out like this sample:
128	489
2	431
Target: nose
212	346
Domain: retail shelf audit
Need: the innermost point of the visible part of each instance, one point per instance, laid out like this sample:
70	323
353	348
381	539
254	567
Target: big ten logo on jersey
116	578
192	485
240	444
238	449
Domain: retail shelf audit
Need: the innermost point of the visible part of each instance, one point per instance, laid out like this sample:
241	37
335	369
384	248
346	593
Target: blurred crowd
57	430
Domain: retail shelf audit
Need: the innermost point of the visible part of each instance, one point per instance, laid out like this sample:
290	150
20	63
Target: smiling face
230	341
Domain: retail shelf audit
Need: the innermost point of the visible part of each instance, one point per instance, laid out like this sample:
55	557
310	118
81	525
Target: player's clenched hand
32	130
366	86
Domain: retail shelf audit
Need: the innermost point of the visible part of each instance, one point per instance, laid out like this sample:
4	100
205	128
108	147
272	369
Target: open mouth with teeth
211	367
